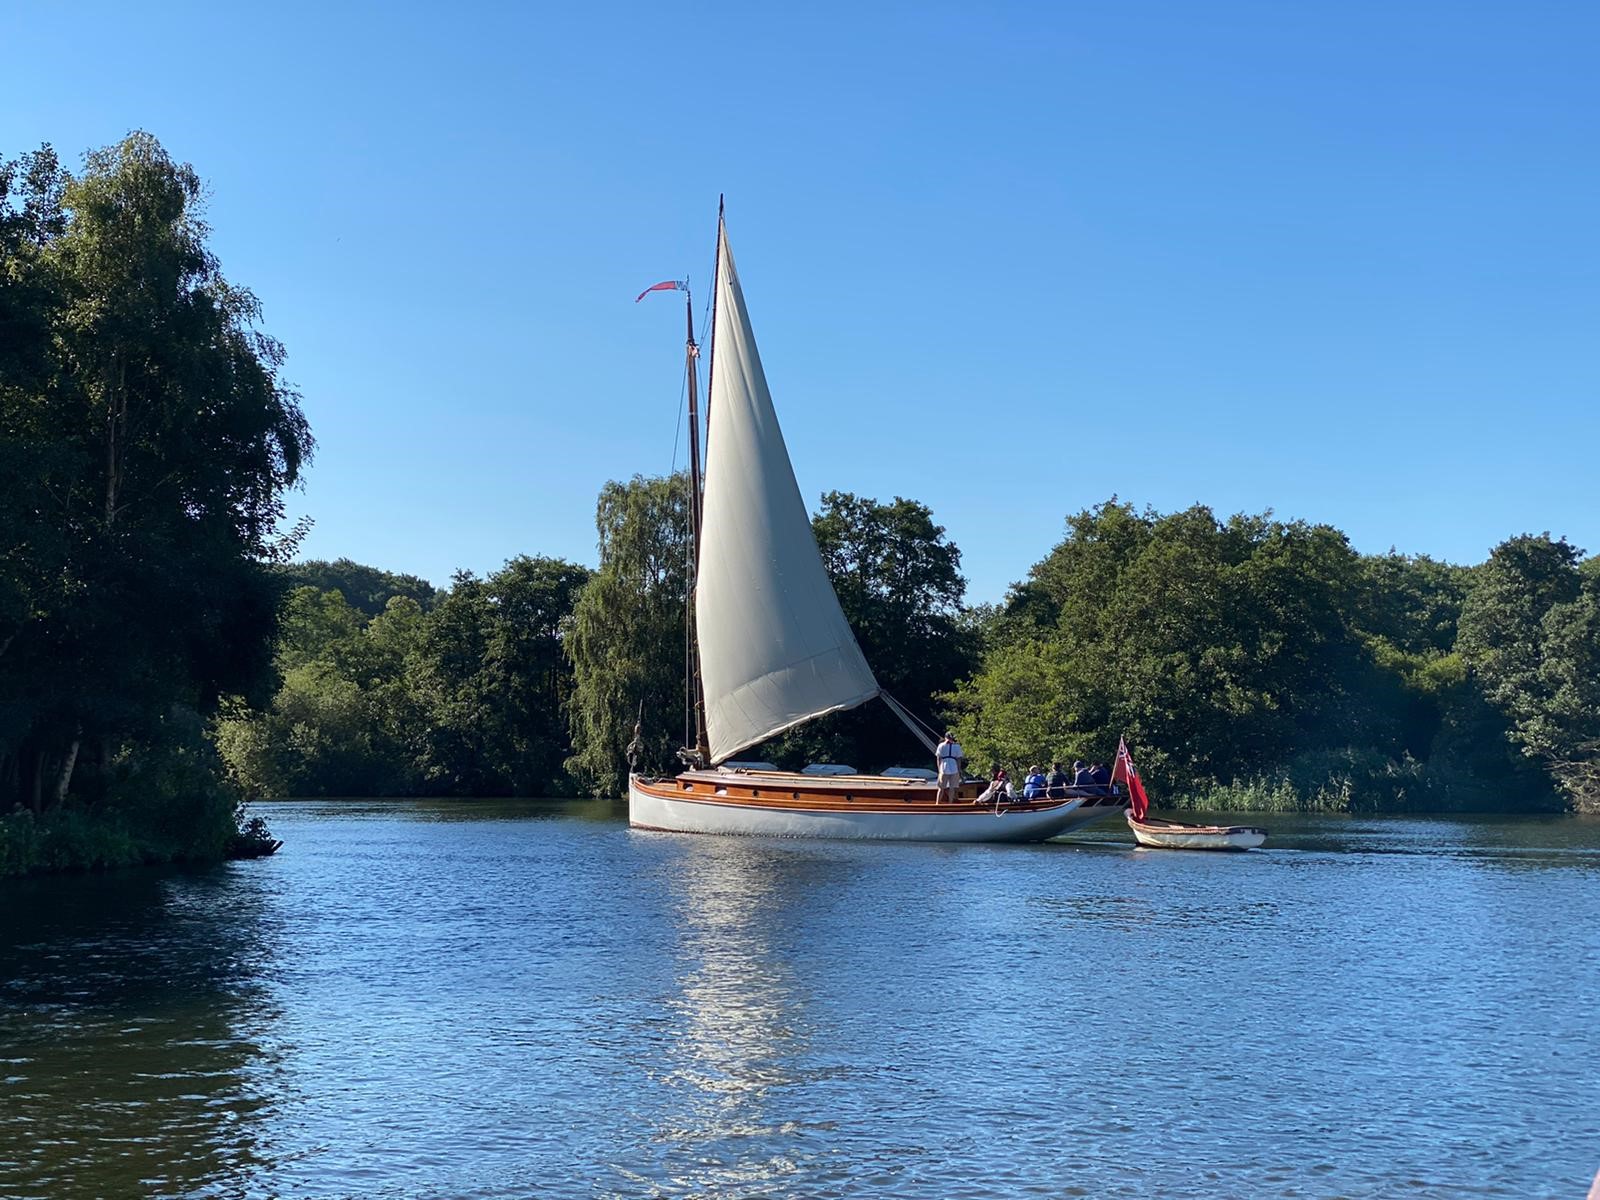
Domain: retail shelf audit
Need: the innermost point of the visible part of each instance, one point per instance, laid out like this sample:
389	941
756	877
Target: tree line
531	681
1258	663
1252	662
412	692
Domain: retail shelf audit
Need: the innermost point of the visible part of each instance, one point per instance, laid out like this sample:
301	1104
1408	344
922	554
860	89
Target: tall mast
702	740
694	697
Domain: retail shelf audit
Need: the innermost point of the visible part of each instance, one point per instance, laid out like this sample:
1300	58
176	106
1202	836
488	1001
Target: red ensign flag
1138	802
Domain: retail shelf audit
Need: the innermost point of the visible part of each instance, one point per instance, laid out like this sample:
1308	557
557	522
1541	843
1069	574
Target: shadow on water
604	811
128	1009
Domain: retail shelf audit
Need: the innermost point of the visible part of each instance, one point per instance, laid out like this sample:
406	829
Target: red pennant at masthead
666	285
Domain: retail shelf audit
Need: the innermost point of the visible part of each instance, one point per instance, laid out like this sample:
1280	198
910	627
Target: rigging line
908	712
677	430
700	340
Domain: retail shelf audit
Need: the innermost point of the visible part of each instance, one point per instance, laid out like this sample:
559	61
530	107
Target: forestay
775	648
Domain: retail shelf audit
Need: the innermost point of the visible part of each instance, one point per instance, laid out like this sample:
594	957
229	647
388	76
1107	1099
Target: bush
1346	780
161	804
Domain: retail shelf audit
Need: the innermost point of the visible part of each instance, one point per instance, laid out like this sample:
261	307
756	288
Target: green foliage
146	442
364	588
162	801
466	699
1218	648
1530	632
1259	663
1343	780
898	579
494	679
627	641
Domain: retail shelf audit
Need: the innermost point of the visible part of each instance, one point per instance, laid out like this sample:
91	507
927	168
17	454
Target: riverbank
79	838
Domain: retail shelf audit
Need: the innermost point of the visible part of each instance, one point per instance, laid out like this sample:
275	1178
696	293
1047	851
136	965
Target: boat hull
1174	835
780	805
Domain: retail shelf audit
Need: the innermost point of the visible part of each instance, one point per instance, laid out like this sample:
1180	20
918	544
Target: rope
677	430
927	733
908	712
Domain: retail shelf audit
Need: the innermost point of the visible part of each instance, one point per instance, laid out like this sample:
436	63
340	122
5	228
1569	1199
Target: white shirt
949	756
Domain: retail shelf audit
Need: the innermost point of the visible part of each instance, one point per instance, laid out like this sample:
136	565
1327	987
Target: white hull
962	822
1172	835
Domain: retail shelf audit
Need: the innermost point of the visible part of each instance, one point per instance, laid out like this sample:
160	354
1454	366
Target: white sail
775	649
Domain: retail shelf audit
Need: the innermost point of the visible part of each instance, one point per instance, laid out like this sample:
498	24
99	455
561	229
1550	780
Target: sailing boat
773	649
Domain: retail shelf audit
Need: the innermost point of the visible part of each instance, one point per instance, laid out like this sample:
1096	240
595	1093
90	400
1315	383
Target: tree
898	579
531	677
337	725
467	699
1220	649
1502	633
365	588
162	440
494	680
33	539
627	640
1567	733
1530	633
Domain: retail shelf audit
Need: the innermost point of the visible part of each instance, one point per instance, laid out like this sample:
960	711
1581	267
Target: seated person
1100	777
999	787
1058	782
1080	774
1033	787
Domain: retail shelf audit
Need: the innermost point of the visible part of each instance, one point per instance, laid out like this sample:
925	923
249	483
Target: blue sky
1336	260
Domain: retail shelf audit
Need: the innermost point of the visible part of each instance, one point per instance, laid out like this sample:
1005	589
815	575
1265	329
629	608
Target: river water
517	1000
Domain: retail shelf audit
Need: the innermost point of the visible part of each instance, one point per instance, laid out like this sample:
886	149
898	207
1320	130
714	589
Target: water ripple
510	1000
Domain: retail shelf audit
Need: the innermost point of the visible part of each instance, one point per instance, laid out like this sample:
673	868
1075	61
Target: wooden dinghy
1176	835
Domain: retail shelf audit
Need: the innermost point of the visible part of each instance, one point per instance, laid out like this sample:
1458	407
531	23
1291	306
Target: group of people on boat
1085	779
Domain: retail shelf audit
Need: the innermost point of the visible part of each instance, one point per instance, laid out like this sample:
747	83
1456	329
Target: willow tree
160	438
627	638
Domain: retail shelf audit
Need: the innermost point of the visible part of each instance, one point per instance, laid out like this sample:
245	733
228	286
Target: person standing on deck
948	755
